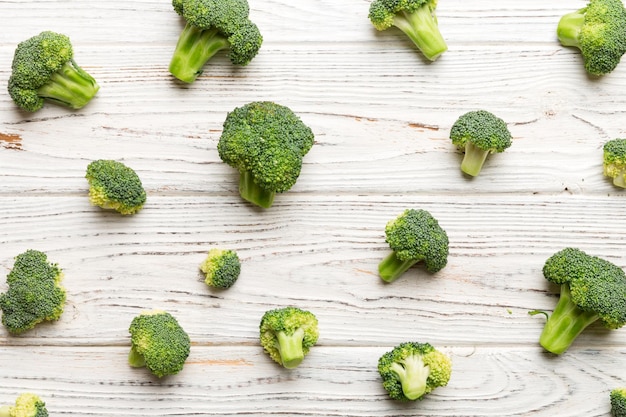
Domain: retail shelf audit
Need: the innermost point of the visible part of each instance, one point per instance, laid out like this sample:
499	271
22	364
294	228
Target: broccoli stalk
70	85
569	28
251	191
5	411
392	267
474	159
412	374
290	347
614	161
422	28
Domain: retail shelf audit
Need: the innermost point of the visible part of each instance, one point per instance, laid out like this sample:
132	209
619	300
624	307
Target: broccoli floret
479	133
26	405
266	143
614	163
416	18
158	342
411	370
113	185
599	31
44	69
221	268
618	402
287	334
213	25
414	236
35	293
591	289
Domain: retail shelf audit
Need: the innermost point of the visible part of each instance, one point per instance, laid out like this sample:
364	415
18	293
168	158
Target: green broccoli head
44	69
414	236
411	370
265	142
113	185
211	26
287	334
26	405
479	133
599	31
416	18
221	268
158	342
35	293
614	163
618	402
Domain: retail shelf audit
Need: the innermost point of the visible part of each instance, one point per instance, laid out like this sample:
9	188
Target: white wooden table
381	115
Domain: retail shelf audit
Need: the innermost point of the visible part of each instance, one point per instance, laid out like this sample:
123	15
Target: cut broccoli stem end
412	374
422	28
565	324
135	359
568	29
194	48
620	180
70	86
290	348
391	268
252	192
474	159
5	411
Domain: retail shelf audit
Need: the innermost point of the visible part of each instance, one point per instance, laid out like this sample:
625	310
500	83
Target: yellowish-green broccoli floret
113	185
26	405
35	293
618	402
614	161
221	268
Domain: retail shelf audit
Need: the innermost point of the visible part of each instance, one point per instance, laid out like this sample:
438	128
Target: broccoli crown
614	163
221	268
618	402
35	293
483	129
287	334
382	13
113	185
159	343
411	370
26	405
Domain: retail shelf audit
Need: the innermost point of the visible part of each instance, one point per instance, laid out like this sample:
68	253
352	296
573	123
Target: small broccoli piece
414	236
412	370
158	342
618	402
113	185
44	69
416	18
266	143
615	161
479	133
35	293
213	25
591	289
287	334
599	31
221	268
26	405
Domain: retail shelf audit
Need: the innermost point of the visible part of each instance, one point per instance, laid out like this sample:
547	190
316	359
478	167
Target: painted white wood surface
382	116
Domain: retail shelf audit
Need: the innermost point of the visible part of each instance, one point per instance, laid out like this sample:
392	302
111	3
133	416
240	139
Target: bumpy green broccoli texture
416	18
44	69
479	133
26	405
411	370
599	31
266	143
592	289
158	342
413	236
211	26
35	293
614	161
221	268
618	402
287	334
113	185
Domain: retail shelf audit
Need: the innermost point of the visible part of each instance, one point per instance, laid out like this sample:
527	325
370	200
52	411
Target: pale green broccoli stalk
414	236
287	334
599	31
479	133
26	405
265	142
618	402
416	18
221	268
113	185
44	69
614	163
35	293
412	370
211	26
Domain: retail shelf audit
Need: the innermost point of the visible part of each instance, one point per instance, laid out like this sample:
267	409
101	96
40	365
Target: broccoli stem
252	192
290	348
474	159
422	28
135	359
70	86
412	374
391	268
565	324
5	411
620	180
568	29
194	48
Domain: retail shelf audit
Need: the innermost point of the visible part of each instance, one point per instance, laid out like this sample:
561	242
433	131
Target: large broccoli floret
213	25
599	31
113	185
287	334
618	402
414	236
35	293
26	405
266	143
416	18
44	69
158	342
221	268
479	133
591	289
614	163
412	370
